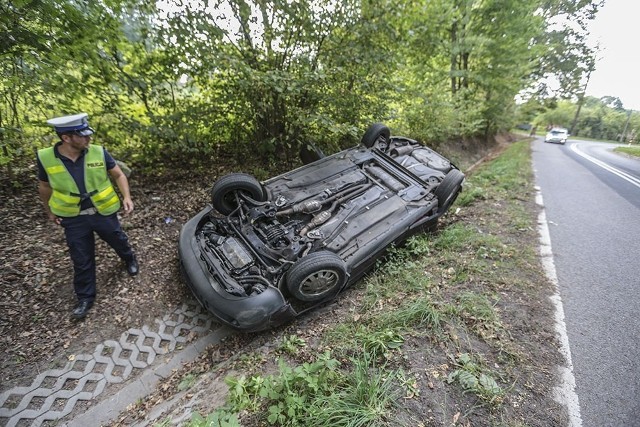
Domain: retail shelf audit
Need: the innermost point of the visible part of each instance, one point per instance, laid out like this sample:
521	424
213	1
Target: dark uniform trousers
81	241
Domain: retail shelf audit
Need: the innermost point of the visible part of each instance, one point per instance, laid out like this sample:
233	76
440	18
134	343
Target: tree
31	33
601	118
264	77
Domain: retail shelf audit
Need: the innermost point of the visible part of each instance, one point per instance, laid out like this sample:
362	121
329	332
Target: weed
419	313
291	343
380	343
286	396
418	246
478	313
219	418
477	307
473	378
377	289
247	360
244	393
365	399
335	337
410	385
470	194
332	397
187	382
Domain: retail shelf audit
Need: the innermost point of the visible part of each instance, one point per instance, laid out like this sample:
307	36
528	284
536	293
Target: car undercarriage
307	234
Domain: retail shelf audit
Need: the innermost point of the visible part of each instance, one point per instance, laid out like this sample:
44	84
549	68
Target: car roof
558	130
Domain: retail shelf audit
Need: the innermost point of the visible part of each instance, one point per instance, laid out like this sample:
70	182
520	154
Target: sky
617	71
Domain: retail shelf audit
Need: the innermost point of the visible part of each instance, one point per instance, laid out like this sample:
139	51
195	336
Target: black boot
132	266
80	311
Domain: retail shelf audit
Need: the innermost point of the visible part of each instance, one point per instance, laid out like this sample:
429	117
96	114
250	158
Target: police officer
77	194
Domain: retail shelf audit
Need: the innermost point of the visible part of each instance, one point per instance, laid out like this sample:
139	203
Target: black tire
373	133
317	276
309	153
224	191
448	190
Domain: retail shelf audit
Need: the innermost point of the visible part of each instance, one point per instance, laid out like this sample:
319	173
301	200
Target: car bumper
254	313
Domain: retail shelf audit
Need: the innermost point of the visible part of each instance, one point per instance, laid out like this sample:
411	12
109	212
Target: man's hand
123	185
45	191
53	218
127	205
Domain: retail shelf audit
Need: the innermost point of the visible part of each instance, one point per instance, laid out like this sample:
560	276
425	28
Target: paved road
592	201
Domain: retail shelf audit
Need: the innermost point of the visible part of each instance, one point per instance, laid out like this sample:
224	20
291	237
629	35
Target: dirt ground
36	295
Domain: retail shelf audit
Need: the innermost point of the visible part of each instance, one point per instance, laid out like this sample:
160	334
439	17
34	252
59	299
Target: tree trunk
580	102
454	58
465	69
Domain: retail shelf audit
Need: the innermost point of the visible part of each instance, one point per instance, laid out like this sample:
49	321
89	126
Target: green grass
365	399
632	151
420	312
312	394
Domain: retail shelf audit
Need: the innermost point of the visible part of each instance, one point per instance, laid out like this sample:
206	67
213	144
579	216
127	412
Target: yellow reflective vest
66	198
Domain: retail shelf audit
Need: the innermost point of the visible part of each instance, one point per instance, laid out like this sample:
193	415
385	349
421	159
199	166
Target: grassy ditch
632	151
455	328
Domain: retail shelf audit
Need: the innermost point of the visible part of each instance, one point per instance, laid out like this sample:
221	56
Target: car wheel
373	134
225	191
448	190
309	153
316	276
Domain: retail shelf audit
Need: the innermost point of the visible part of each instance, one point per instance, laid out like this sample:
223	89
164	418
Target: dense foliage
176	82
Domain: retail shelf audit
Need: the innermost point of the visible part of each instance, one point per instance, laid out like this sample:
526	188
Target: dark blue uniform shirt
76	169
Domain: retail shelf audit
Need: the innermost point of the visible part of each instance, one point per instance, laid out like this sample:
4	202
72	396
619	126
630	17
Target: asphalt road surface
592	200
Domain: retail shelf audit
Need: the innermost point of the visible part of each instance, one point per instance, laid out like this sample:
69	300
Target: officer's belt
88	211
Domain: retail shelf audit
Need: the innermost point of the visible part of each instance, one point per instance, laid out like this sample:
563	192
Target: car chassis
264	253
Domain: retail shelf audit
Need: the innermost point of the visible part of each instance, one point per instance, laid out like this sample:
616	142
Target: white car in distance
557	135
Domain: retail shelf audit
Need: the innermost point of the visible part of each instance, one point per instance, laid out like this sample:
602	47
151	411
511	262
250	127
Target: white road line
565	392
632	179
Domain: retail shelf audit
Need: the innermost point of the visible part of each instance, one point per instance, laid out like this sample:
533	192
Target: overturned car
265	252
